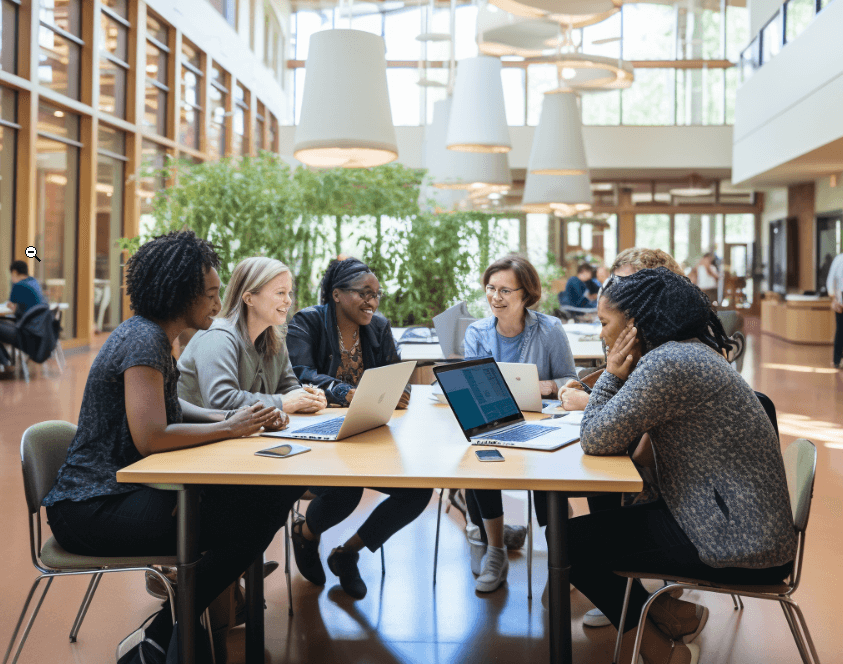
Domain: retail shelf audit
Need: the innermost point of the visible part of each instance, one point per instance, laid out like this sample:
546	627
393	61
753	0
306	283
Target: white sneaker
478	550
494	570
472	532
595	618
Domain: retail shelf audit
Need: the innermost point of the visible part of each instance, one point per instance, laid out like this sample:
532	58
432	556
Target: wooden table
422	447
5	311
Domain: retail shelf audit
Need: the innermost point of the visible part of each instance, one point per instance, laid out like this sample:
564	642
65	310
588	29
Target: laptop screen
478	395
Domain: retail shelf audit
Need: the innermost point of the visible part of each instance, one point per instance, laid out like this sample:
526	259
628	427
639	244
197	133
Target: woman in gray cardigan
242	358
724	514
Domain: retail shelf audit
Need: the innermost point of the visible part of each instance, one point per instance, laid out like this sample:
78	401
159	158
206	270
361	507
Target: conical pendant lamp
477	121
544	192
346	119
450	169
558	147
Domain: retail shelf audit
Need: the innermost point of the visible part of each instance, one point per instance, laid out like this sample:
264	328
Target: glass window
652	231
540	79
241	144
273	134
114	37
112	88
156	29
771	38
155	109
737	31
602	108
157	69
260	124
403	87
190	114
699	96
54	121
117	6
8	153
798	14
9	36
109	228
58	62
228	8
732	82
649	32
56	215
63	14
400	30
153	160
649	100
606	32
216	107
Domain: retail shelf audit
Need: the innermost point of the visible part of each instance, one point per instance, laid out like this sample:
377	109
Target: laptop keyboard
327	428
519	434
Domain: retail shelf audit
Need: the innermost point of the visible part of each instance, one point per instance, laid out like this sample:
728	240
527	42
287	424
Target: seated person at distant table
26	293
576	293
331	345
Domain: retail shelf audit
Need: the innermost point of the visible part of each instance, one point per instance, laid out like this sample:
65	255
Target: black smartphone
283	451
489	455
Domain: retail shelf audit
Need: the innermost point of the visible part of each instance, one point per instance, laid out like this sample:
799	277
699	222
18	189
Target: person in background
26	292
601	274
576	293
705	275
331	345
834	286
242	358
513	333
722	517
131	409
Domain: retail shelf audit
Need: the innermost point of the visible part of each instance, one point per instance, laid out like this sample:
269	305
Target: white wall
607	148
760	11
791	105
828	198
206	28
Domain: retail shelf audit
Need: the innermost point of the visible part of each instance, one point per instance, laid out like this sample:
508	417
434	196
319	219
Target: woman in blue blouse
514	333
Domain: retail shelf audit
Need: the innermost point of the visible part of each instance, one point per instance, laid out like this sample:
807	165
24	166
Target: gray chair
43	451
800	463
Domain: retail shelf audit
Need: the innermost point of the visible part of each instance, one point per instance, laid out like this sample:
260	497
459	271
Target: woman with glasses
331	345
513	333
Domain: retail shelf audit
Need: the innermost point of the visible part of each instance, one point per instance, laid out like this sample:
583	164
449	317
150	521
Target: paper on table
573	417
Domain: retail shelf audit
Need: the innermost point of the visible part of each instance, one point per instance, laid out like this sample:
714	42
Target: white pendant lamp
543	192
477	120
501	33
450	169
346	119
558	147
575	13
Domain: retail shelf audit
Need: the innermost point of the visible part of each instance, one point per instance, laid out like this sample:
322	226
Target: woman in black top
330	346
130	409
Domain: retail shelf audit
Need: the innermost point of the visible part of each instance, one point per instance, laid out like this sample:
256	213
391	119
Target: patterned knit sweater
719	462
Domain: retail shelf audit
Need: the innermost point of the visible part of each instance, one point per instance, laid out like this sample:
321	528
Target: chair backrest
732	321
43	449
800	467
770	409
737	352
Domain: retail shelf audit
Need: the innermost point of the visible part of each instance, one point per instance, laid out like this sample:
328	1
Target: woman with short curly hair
131	409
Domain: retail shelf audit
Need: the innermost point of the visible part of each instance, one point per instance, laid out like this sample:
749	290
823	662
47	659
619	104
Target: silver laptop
375	399
450	326
523	381
487	412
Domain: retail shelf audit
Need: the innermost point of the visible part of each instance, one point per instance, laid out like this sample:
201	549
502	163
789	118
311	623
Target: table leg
558	569
254	612
187	555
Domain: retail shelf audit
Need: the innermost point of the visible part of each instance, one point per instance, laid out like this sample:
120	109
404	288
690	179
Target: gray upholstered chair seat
55	557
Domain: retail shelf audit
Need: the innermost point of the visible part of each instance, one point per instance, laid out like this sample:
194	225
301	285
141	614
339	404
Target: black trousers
9	336
838	339
334	504
236	525
641	538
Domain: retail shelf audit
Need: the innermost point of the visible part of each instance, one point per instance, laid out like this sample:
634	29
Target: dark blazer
314	347
38	332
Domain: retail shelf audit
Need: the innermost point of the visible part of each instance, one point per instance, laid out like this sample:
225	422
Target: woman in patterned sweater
724	514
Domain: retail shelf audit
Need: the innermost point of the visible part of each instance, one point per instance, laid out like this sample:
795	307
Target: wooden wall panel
800	204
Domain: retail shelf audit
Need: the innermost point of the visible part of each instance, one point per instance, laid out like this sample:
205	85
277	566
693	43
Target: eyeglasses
503	292
367	295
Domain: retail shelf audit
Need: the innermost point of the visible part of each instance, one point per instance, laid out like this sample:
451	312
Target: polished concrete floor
404	618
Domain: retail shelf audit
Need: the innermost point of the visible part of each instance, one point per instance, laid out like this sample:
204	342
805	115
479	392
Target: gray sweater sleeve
217	370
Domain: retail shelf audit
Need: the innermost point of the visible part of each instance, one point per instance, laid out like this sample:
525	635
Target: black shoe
344	564
307	556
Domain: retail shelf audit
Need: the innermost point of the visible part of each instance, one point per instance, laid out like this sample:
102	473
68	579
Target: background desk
422	447
63	306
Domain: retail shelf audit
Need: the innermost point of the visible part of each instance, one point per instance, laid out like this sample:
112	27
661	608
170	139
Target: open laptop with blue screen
487	412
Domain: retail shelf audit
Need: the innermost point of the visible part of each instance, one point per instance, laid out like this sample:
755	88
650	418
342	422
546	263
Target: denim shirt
544	343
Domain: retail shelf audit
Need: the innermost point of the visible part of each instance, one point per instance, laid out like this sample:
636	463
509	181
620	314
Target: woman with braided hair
131	409
330	346
723	516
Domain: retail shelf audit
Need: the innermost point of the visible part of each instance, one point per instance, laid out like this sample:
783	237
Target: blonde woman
242	358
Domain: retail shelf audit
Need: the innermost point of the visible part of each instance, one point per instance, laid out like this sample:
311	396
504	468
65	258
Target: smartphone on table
283	451
489	455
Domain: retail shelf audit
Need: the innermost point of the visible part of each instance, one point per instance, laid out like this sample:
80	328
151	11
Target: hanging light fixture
449	169
587	73
346	120
501	33
576	13
693	186
543	192
558	147
477	120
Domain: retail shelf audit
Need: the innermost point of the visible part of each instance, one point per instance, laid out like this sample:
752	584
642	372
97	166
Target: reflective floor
403	618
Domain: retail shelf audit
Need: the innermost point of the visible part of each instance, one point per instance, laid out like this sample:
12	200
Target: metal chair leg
529	545
20	618
287	567
436	545
83	609
383	562
738	602
206	617
619	640
798	611
31	618
639	633
794	629
60	357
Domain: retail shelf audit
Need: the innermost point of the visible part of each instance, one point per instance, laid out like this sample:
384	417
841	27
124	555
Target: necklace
356	338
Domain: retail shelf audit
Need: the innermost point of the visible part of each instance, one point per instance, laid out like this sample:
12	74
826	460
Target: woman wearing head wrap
330	346
724	516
